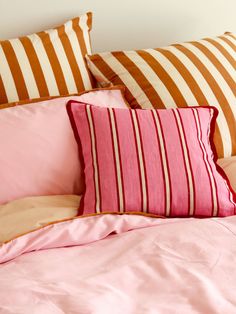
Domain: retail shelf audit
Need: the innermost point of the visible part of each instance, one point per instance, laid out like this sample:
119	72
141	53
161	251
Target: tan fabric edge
35	100
83	216
28	213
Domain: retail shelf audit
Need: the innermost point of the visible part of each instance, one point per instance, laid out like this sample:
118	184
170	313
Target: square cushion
156	162
198	73
47	63
39	155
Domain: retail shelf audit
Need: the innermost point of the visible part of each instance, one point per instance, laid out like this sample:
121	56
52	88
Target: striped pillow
156	162
48	63
189	74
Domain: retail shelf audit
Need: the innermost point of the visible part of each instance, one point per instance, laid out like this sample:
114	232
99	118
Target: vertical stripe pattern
49	63
207	163
200	73
201	191
95	159
117	159
140	156
162	147
187	163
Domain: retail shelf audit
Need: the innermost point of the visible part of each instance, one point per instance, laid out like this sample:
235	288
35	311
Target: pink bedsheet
162	266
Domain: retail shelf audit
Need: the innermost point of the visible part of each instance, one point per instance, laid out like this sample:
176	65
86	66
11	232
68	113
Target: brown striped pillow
48	63
189	74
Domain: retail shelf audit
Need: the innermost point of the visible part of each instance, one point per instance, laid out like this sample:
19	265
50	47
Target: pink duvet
148	266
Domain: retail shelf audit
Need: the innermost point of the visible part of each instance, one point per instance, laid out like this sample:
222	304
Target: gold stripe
164	77
79	34
71	57
140	78
196	90
3	95
225	39
224	52
218	65
15	69
53	59
112	76
35	66
217	92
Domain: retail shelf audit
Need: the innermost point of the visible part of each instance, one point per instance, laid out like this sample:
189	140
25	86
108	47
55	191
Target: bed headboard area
124	24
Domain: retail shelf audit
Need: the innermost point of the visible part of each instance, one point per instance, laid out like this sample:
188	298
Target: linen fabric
157	162
35	212
39	155
198	73
47	63
163	266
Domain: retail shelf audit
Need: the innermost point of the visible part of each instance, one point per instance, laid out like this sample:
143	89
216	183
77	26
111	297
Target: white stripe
222	59
176	77
62	58
223	86
127	79
231	39
45	65
100	77
78	54
164	162
25	68
141	162
85	29
186	160
117	159
7	78
225	45
212	182
88	109
211	99
152	78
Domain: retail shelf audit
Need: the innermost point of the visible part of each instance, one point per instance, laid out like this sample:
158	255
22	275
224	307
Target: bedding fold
163	266
46	222
116	264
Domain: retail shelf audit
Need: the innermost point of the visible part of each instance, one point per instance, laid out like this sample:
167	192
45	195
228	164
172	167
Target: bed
110	264
118	176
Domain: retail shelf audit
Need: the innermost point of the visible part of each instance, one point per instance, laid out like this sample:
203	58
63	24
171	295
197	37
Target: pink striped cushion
151	161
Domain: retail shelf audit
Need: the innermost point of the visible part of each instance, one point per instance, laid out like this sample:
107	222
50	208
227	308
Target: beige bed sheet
27	214
229	166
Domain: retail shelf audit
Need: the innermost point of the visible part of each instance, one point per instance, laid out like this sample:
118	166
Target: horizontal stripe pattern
48	63
199	73
164	178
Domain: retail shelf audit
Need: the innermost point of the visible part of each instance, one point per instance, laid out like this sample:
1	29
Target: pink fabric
151	161
170	266
38	152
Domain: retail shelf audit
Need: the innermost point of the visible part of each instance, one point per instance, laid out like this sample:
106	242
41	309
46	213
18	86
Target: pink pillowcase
38	152
157	162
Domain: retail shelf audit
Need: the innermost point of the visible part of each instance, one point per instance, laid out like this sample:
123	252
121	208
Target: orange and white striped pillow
189	74
48	63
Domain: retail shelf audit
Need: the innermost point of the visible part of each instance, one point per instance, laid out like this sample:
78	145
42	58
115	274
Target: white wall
123	24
